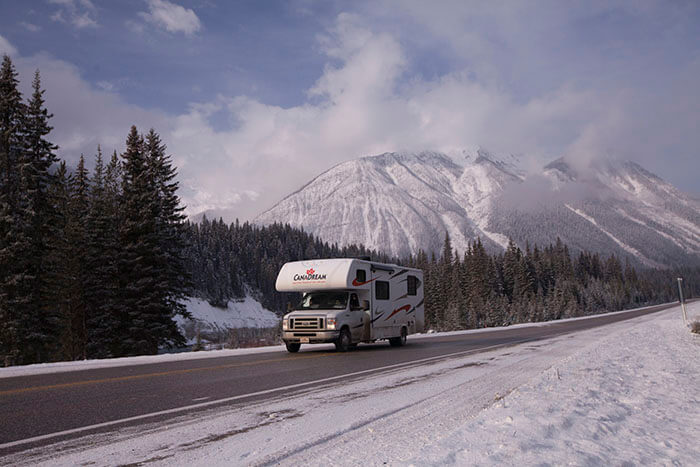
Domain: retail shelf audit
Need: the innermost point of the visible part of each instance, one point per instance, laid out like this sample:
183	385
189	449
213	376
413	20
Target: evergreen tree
447	250
175	282
139	244
59	262
36	178
16	294
101	285
75	334
149	287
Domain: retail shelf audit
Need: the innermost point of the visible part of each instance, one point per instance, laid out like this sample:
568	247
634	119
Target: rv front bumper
310	337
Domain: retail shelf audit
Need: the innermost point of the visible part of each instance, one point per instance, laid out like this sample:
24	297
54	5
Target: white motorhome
347	301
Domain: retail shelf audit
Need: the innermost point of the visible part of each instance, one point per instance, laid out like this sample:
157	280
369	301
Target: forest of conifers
466	290
90	265
98	263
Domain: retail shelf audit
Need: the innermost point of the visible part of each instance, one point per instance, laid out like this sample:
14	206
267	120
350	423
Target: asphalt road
41	409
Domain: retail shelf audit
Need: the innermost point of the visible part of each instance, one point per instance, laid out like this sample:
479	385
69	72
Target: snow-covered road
627	392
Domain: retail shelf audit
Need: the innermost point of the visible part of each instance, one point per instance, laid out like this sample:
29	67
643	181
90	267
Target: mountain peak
409	156
602	168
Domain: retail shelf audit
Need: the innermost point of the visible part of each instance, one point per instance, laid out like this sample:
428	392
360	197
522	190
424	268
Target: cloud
80	13
84	115
135	26
30	27
106	85
536	192
6	48
174	18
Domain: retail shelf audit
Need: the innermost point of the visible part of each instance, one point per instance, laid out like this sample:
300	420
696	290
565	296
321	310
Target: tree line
91	265
478	289
473	290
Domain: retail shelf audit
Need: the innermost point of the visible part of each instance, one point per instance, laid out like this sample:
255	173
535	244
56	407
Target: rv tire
398	341
344	341
293	347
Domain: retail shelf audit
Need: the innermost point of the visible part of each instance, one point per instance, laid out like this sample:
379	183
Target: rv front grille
303	324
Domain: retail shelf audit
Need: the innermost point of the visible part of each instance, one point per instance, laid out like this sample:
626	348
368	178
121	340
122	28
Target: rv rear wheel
344	341
398	341
292	347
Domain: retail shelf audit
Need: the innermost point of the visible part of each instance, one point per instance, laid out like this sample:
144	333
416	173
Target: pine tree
151	275
455	313
16	294
174	281
38	158
511	263
137	237
76	274
447	250
58	261
101	285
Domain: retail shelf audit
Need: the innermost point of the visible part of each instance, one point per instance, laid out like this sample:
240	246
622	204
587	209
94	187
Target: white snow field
622	394
244	313
240	313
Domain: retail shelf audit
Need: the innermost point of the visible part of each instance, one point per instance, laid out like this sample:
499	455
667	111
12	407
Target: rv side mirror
365	305
289	307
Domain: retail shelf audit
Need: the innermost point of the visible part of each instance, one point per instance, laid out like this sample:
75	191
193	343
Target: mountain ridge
402	202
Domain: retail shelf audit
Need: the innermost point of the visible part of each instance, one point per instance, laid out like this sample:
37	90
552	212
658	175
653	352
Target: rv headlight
285	324
330	323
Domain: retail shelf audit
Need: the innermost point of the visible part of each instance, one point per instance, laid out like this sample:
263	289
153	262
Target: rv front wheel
292	347
344	341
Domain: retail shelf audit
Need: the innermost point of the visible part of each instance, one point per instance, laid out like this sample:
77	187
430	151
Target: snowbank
632	397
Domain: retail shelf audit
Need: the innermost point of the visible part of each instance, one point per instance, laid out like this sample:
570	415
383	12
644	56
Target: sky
254	99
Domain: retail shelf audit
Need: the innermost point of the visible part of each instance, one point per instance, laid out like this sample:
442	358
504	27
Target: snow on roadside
632	397
622	392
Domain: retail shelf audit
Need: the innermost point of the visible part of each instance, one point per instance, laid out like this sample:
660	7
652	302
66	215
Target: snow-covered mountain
609	207
399	203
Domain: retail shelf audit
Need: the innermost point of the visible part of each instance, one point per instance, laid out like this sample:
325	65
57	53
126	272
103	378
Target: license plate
303	340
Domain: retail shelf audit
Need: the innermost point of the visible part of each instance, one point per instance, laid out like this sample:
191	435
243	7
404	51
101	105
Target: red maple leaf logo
310	271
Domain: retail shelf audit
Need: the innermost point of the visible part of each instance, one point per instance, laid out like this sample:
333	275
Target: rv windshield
324	301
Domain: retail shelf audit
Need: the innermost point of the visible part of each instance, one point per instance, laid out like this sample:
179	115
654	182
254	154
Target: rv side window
381	290
354	302
361	275
413	284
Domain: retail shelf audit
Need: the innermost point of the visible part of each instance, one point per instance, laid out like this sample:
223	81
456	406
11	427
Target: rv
347	301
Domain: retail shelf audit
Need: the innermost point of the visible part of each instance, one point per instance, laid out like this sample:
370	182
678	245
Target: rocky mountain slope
610	207
400	203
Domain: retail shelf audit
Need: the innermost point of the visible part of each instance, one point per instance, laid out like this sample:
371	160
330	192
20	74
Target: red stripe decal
403	308
357	284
